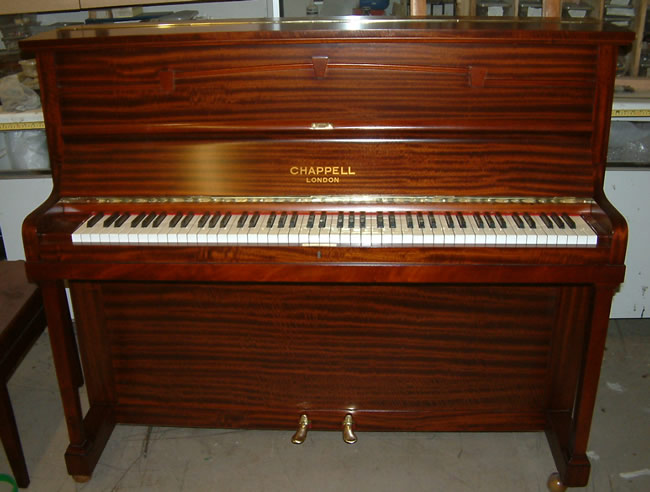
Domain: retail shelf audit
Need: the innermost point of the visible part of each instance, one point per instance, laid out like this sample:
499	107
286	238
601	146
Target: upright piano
342	224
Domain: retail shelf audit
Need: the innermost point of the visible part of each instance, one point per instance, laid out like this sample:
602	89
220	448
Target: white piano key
240	232
438	231
586	235
104	233
407	232
118	234
304	231
448	233
516	236
253	233
480	236
193	233
470	231
231	231
365	233
268	233
428	233
82	233
293	234
184	234
460	238
283	231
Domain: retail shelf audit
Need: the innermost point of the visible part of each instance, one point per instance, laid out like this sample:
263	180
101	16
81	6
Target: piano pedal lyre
348	434
301	433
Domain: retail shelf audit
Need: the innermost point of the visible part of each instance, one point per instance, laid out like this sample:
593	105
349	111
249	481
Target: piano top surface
506	29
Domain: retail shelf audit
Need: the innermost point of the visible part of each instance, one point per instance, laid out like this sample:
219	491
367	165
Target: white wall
18	197
629	192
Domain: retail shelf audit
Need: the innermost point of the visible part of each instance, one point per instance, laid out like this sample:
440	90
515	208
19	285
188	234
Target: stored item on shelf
15	97
27	150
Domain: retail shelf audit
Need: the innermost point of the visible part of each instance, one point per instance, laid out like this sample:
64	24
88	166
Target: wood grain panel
370	84
244	347
490	167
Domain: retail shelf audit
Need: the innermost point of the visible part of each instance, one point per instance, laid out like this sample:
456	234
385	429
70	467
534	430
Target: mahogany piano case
374	224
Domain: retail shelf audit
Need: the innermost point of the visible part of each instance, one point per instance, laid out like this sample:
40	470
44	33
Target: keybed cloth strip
353	229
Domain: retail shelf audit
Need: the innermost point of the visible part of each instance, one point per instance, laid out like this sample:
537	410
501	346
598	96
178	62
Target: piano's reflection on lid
230	196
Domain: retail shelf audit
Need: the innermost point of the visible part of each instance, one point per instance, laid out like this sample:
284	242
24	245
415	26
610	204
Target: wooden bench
22	320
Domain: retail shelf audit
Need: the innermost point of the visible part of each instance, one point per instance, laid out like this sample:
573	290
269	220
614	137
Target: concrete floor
170	459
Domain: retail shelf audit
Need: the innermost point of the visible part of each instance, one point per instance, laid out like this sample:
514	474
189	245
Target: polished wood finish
22	320
419	114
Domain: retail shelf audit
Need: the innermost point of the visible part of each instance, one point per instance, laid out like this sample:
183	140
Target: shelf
27	120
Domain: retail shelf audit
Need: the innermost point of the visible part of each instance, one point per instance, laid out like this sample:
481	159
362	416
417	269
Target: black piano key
391	220
242	220
380	220
271	220
362	220
254	220
461	220
569	221
112	218
147	220
420	219
518	222
322	221
546	220
138	219
95	219
557	220
176	219
478	220
120	222
449	219
432	220
224	220
501	221
489	220
530	221
294	220
311	220
351	220
204	219
283	220
159	219
214	220
186	221
339	220
409	220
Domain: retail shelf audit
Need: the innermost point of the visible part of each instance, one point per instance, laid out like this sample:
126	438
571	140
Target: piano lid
351	27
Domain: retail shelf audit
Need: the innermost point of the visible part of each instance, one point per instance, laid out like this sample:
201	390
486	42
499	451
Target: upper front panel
371	85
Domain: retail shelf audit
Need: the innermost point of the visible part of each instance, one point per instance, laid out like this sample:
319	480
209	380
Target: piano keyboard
354	229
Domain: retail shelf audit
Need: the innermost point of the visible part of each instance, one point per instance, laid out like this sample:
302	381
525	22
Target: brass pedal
348	434
301	434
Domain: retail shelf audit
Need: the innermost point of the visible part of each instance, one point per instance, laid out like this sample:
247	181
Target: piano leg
568	428
88	435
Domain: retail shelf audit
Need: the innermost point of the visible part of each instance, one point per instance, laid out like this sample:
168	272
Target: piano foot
555	484
81	478
348	434
301	434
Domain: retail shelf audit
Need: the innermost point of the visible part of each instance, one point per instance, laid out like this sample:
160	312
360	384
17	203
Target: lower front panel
402	357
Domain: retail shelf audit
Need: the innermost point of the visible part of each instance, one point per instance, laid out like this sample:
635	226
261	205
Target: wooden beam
552	8
418	7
